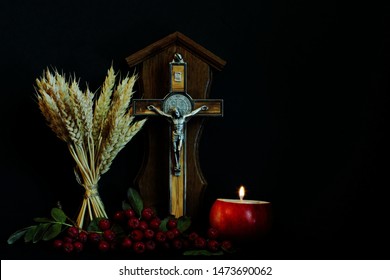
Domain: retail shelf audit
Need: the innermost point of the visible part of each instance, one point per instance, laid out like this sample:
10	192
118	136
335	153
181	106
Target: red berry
172	223
161	236
83	236
147	214
200	243
170	234
155	223
149	234
104	246
133	223
78	246
136	235
104	224
68	247
143	225
72	232
177	244
68	239
192	236
227	245
126	242
119	216
94	237
129	213
176	232
150	245
58	243
109	235
139	247
213	245
212	233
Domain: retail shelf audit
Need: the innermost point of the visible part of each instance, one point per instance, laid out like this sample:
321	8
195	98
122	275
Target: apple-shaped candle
239	219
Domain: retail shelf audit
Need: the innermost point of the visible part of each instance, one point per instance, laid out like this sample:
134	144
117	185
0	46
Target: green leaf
42	220
94	225
125	205
119	231
52	231
58	215
135	201
163	224
40	231
183	223
17	235
202	252
30	234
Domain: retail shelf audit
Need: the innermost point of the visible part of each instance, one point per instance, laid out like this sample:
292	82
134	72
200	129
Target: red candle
239	219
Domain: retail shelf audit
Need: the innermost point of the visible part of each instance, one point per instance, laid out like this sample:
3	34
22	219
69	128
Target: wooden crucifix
177	107
172	160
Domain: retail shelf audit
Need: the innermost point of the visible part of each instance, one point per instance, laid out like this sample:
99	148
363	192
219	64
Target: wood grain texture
153	66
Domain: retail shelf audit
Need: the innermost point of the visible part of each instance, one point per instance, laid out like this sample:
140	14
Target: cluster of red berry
147	233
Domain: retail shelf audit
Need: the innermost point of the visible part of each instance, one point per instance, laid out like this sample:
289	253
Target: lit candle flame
241	192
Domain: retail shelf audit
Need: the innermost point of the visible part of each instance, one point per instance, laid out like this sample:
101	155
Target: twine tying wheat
96	127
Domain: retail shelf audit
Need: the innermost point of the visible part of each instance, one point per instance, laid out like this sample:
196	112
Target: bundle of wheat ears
94	126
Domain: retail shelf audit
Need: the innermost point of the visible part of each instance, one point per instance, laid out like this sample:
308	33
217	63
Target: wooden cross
155	84
177	107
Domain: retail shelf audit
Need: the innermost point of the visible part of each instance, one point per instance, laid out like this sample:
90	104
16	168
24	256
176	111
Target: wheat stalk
95	128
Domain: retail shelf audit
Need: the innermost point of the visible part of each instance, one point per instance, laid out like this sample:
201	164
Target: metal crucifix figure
177	131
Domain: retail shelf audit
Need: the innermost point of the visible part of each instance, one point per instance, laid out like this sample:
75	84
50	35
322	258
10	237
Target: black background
305	123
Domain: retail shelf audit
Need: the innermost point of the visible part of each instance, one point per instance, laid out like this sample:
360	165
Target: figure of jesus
177	121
